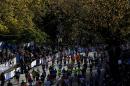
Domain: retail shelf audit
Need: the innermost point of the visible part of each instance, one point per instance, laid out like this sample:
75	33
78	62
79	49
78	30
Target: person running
38	83
85	66
43	77
48	81
63	83
43	67
91	67
70	80
59	72
23	83
26	76
9	83
17	75
66	81
78	63
77	57
29	78
82	80
34	74
64	61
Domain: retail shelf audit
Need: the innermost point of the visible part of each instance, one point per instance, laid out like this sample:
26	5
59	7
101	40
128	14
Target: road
22	76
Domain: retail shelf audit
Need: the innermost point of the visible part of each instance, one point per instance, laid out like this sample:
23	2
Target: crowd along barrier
11	74
7	65
34	63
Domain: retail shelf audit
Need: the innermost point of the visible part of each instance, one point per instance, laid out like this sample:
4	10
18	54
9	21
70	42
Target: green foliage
106	20
33	34
16	18
3	29
109	18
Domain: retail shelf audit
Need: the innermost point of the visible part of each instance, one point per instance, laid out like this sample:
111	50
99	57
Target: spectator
2	78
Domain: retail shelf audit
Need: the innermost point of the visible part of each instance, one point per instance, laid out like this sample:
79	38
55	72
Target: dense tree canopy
16	18
73	20
110	18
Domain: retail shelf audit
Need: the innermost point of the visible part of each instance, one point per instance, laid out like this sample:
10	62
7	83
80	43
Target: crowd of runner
66	67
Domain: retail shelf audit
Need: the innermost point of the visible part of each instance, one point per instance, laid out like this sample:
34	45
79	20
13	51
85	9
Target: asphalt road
22	77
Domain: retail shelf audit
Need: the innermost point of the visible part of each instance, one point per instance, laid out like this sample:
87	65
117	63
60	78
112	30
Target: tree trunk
6	49
114	52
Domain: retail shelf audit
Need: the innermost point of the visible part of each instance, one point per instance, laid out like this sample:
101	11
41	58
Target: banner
14	61
33	63
12	73
7	76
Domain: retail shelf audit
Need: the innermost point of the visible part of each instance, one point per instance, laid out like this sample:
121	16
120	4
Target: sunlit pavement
22	77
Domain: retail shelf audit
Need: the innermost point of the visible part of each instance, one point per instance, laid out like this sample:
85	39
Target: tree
110	19
17	17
